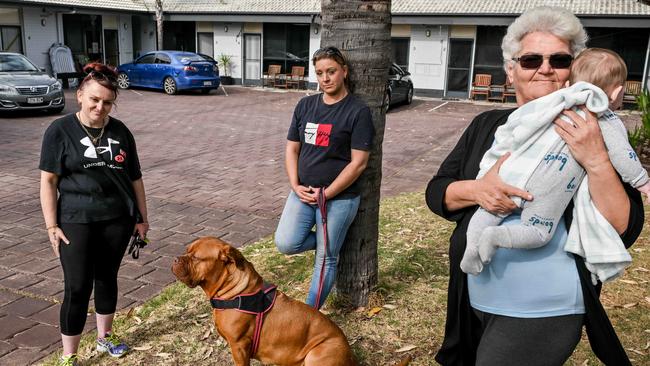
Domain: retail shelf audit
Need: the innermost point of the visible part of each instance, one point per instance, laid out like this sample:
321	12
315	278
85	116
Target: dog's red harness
258	304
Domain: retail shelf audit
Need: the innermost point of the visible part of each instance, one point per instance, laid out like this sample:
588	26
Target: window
83	34
162	58
489	57
16	63
400	52
630	44
146	59
286	45
10	39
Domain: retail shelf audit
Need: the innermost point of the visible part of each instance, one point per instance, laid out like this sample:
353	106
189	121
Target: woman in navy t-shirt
328	146
89	170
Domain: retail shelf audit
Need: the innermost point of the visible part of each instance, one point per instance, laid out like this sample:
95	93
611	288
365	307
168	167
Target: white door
252	59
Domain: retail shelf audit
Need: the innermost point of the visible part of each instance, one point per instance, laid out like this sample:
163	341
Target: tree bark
361	29
159	24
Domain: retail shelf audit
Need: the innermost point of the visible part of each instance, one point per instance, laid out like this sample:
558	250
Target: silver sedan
25	86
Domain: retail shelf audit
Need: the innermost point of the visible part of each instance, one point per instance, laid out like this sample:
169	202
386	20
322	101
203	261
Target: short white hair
549	19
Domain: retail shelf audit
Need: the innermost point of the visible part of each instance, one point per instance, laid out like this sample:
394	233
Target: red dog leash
322	206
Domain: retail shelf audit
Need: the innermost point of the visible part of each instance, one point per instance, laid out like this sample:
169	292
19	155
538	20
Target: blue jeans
295	235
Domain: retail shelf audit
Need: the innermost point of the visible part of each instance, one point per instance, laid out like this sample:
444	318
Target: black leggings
508	341
93	255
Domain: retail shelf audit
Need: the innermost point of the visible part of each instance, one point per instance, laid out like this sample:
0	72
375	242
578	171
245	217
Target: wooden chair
632	90
481	86
508	90
496	92
271	76
297	77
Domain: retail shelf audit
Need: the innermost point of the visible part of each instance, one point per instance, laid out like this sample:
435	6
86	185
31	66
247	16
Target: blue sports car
170	71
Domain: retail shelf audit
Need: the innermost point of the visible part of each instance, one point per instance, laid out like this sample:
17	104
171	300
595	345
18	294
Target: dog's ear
232	255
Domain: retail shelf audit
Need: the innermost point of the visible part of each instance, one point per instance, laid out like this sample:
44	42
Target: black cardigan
462	329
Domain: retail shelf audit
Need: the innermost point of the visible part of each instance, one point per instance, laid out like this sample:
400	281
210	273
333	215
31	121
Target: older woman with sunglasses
327	150
528	306
89	172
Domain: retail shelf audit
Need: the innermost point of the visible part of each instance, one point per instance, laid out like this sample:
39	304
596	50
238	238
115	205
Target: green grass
175	327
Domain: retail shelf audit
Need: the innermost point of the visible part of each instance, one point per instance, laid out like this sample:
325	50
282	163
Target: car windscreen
186	58
15	63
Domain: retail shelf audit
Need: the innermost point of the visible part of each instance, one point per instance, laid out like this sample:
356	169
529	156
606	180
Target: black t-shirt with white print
86	191
327	134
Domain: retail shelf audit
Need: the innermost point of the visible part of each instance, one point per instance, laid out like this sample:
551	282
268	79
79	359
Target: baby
554	181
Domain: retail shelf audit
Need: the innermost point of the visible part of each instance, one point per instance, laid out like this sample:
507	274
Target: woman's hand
56	235
585	141
306	194
141	228
493	195
584	138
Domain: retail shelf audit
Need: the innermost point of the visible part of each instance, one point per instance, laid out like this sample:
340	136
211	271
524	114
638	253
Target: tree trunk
159	24
361	28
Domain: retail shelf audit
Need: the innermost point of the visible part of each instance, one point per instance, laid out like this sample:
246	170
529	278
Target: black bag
135	243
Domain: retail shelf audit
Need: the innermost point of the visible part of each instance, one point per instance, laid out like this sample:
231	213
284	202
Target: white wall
39	38
428	57
314	45
148	35
229	43
124	31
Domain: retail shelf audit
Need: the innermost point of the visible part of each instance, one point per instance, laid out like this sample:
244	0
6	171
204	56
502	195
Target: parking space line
436	107
140	94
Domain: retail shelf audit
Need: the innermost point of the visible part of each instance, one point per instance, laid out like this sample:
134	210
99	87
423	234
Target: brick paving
213	165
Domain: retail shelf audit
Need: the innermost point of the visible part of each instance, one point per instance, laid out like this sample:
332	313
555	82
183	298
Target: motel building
443	44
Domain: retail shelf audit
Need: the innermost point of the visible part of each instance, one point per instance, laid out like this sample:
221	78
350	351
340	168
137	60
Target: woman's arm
585	141
348	175
450	193
49	183
291	154
143	227
489	192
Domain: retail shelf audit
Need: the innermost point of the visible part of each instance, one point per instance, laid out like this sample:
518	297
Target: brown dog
292	333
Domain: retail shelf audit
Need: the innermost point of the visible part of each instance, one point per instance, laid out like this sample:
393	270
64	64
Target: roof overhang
243	18
587	20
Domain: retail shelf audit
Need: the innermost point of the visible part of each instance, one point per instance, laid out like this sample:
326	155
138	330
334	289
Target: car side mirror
42	69
406	73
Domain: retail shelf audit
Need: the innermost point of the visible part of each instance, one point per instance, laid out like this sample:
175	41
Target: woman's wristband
52	227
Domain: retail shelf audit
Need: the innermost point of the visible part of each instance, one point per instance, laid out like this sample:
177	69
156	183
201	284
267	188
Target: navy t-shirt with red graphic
327	135
86	191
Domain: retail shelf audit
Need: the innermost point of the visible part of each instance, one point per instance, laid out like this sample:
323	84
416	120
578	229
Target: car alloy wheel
123	81
386	102
169	85
409	95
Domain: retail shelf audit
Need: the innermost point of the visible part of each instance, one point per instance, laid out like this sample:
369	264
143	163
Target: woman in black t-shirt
90	160
328	147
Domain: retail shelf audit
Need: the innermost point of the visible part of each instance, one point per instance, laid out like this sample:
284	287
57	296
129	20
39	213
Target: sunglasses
330	51
100	76
535	60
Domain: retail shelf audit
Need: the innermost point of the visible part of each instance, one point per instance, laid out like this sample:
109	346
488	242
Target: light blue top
529	283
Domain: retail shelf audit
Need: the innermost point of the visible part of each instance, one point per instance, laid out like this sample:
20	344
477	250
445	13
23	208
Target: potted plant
225	64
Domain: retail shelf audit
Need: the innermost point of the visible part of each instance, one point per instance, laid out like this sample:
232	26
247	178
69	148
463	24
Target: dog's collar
258	304
254	303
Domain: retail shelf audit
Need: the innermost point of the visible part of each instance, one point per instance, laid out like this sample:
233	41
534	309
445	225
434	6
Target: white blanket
528	135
